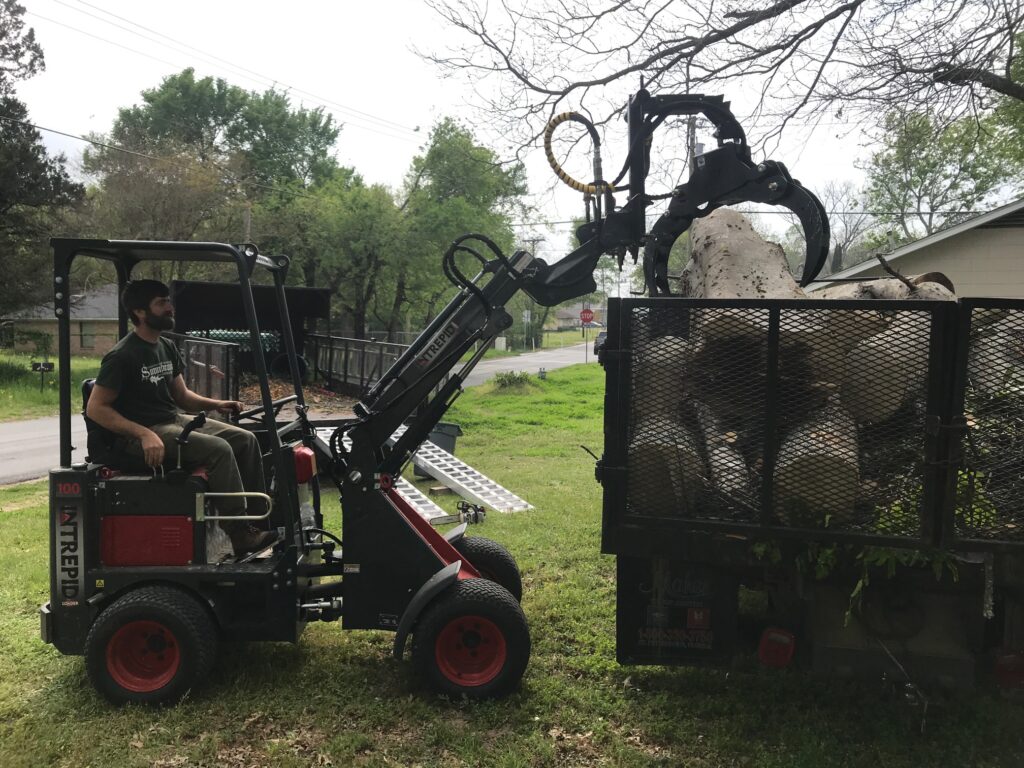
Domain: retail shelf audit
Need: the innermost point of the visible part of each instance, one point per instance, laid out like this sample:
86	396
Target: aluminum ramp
451	472
463	479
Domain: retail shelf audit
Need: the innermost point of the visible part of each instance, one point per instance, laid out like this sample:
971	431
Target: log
727	468
816	471
660	365
665	469
884	371
995	363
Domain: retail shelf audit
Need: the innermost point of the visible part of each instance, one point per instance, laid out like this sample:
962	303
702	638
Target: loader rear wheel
150	646
473	641
493	561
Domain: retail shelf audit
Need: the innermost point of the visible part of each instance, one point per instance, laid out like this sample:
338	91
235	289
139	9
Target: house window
86	336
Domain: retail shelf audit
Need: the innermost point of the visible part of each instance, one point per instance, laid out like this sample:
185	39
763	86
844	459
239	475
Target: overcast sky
352	58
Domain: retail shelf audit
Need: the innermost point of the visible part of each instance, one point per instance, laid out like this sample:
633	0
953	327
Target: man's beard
159	322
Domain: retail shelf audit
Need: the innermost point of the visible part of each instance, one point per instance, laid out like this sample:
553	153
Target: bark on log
816	471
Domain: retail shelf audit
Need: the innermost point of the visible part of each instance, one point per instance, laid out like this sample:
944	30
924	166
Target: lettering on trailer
437	346
68	545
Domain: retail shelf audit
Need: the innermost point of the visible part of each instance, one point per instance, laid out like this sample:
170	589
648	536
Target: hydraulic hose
599	185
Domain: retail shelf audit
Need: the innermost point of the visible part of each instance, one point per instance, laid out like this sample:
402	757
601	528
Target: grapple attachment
723	176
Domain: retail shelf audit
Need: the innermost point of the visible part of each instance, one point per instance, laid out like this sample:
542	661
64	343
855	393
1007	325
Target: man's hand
229	406
152	448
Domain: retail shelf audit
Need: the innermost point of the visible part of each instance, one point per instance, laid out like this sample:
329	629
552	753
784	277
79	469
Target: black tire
472	641
493	561
150	646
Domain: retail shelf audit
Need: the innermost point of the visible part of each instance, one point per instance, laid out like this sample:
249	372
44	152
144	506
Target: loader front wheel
474	641
150	646
493	561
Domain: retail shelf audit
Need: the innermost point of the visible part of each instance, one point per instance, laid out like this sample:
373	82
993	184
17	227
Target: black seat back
101	443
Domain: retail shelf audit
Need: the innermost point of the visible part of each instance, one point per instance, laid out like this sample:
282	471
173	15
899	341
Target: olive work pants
231	456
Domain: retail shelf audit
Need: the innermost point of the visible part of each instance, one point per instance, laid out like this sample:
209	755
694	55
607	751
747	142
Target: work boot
247	538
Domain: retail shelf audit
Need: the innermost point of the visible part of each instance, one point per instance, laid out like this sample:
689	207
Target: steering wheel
259	409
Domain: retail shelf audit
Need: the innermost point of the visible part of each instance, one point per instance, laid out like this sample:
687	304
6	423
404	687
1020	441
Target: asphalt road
28	449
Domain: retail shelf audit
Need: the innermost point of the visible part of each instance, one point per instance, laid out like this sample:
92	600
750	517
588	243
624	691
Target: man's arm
191	402
101	410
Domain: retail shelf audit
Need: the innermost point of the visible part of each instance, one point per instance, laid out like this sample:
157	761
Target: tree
850	223
20	54
805	57
927	176
456	186
200	154
359	239
34	188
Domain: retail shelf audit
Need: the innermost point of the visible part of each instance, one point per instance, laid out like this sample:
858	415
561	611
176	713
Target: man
140	395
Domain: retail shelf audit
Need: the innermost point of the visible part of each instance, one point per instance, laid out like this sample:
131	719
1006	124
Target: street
28	449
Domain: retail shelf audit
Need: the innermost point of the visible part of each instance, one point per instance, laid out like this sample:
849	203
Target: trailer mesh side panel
765	416
990	486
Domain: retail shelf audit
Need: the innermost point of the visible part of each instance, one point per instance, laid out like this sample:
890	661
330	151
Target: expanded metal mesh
784	418
211	367
990	485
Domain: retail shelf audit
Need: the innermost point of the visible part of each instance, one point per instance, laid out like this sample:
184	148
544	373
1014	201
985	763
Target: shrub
505	379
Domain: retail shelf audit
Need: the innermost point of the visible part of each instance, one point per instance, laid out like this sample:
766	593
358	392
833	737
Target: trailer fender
456	533
436	584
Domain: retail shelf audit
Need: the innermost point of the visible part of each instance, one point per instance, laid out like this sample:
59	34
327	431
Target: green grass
339	699
20	395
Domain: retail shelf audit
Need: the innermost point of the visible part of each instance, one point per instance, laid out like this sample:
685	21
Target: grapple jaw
726	176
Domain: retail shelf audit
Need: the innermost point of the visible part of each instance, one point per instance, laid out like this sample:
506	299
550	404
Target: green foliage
927	169
35	189
20	54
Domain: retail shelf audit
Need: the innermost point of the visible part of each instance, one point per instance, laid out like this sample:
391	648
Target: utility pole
529	313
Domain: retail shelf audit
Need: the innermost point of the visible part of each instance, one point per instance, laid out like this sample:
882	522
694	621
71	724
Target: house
93	324
983	256
569	317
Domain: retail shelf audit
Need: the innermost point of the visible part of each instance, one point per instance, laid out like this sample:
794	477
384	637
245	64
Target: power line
345	120
382	120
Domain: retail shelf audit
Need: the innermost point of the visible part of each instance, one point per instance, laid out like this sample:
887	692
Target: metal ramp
417	500
463	479
453	473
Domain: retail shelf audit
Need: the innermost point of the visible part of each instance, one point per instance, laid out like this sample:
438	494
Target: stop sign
586	316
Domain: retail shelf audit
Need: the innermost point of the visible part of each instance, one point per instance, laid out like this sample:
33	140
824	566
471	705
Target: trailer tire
150	646
472	641
493	561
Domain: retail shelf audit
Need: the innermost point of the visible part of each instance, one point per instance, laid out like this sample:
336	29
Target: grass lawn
20	395
339	699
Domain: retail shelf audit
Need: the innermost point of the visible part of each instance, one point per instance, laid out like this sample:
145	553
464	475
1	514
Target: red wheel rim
143	656
470	650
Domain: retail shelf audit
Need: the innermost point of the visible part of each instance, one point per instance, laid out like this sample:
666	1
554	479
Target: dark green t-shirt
141	374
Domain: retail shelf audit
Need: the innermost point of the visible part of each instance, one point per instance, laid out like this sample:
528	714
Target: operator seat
101	443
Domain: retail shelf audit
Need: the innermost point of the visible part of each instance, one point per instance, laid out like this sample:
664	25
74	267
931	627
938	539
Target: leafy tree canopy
927	176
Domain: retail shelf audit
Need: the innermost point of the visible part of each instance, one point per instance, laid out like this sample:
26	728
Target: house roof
1009	215
100	303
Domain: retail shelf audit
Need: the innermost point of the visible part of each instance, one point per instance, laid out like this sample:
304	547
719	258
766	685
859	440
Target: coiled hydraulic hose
600	185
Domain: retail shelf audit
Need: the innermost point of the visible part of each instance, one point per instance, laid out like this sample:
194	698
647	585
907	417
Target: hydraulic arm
477	314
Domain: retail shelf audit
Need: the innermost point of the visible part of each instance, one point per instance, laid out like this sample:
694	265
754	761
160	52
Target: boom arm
477	314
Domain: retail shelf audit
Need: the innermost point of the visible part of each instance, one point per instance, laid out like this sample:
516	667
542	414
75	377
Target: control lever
182	438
